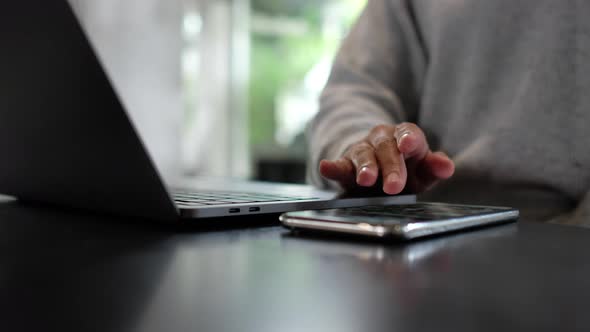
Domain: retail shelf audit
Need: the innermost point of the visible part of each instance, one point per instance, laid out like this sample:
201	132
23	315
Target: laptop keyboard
195	199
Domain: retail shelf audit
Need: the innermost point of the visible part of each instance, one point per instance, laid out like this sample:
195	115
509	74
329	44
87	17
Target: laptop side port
234	210
254	209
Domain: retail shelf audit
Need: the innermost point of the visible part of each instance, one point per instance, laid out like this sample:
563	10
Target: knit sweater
501	86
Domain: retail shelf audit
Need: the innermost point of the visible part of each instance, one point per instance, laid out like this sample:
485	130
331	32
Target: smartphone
406	221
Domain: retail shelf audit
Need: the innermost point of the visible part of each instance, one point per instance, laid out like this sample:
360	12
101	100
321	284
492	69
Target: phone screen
411	212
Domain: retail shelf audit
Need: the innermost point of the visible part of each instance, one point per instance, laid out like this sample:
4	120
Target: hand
400	154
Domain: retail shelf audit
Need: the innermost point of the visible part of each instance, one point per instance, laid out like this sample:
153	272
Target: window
220	87
293	44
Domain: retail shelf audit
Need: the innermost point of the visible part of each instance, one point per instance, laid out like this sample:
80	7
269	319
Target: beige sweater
502	86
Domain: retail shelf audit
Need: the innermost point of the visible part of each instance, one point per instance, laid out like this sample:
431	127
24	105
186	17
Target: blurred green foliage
291	8
280	60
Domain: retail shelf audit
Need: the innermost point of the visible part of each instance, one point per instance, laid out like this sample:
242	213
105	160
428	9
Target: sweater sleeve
375	79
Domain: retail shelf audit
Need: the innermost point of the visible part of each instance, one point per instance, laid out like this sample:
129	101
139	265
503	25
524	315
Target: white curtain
216	140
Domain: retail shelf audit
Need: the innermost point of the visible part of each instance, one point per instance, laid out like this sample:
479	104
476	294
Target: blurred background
220	87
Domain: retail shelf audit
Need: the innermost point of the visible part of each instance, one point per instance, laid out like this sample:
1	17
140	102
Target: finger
432	169
390	160
341	171
362	156
440	165
411	141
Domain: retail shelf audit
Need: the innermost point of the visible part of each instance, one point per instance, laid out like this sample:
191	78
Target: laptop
67	140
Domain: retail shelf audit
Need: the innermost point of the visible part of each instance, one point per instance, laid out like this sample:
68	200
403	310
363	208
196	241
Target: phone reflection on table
411	268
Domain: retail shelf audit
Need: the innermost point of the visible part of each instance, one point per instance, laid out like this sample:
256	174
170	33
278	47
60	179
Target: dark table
69	271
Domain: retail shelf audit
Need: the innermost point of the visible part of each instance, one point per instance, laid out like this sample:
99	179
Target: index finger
391	161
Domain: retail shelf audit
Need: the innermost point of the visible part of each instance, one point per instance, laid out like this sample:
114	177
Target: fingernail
365	178
393	177
404	135
364	170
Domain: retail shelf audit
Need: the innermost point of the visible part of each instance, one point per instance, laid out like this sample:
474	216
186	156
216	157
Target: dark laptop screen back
64	135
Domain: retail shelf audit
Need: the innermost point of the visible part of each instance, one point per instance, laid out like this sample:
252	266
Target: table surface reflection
69	271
